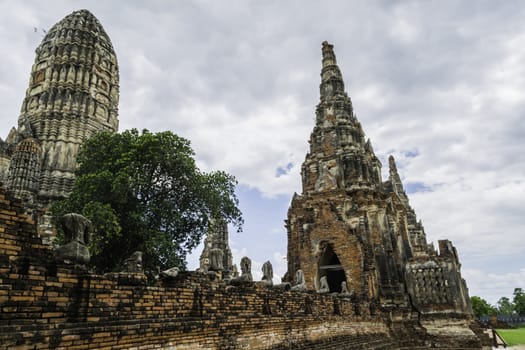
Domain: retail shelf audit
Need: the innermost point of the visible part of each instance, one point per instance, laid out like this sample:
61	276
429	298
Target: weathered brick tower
73	93
217	243
348	225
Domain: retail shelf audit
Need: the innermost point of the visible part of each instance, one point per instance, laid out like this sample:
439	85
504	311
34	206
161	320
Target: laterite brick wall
47	304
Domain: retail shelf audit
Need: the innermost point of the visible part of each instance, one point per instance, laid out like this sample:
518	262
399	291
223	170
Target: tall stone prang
73	93
350	226
217	239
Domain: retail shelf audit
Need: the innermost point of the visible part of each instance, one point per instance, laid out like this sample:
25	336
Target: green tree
480	306
519	301
144	192
505	306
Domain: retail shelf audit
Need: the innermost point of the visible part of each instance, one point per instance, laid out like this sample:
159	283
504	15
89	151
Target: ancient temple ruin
73	93
361	274
350	226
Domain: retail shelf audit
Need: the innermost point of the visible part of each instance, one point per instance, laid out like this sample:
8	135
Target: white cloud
490	286
251	146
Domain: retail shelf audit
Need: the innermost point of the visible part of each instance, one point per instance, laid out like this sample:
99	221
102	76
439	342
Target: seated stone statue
323	285
344	290
300	284
267	271
77	233
246	269
134	263
246	272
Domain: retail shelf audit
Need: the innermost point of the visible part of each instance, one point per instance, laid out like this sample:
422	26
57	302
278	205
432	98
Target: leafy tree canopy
480	306
144	192
505	306
519	301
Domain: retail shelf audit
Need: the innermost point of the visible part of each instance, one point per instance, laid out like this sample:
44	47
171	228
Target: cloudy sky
438	84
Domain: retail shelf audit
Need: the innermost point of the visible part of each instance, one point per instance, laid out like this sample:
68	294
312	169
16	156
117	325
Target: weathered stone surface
323	287
246	269
267	271
76	228
24	170
353	234
170	273
46	305
300	284
344	290
235	271
77	233
216	255
73	93
134	263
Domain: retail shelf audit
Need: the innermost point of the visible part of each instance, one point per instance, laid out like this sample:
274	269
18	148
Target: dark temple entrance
330	266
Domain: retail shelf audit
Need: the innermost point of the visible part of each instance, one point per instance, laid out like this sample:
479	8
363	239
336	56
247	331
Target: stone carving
344	290
77	234
323	285
267	271
169	273
235	271
216	255
300	284
246	269
328	176
246	272
134	263
25	131
24	170
47	114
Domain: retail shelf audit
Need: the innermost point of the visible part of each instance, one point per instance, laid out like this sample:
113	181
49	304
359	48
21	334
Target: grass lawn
513	336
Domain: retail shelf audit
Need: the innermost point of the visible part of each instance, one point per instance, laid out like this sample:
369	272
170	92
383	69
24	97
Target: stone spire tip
392	164
83	12
328	54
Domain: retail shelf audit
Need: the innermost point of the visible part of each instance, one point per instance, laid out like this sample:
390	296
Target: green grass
513	336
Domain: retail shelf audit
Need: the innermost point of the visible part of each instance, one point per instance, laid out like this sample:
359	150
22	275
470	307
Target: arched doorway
330	266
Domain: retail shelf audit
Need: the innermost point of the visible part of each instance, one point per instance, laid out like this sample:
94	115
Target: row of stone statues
300	283
77	234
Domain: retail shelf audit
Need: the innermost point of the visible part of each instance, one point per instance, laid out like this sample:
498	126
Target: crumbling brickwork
435	283
46	303
348	226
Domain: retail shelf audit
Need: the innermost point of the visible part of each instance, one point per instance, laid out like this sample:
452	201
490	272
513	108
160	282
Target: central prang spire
340	157
350	233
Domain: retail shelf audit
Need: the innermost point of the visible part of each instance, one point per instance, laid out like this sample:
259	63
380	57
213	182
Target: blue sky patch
411	153
280	171
413	187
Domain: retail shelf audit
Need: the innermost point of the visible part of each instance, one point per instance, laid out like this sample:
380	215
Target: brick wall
47	304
